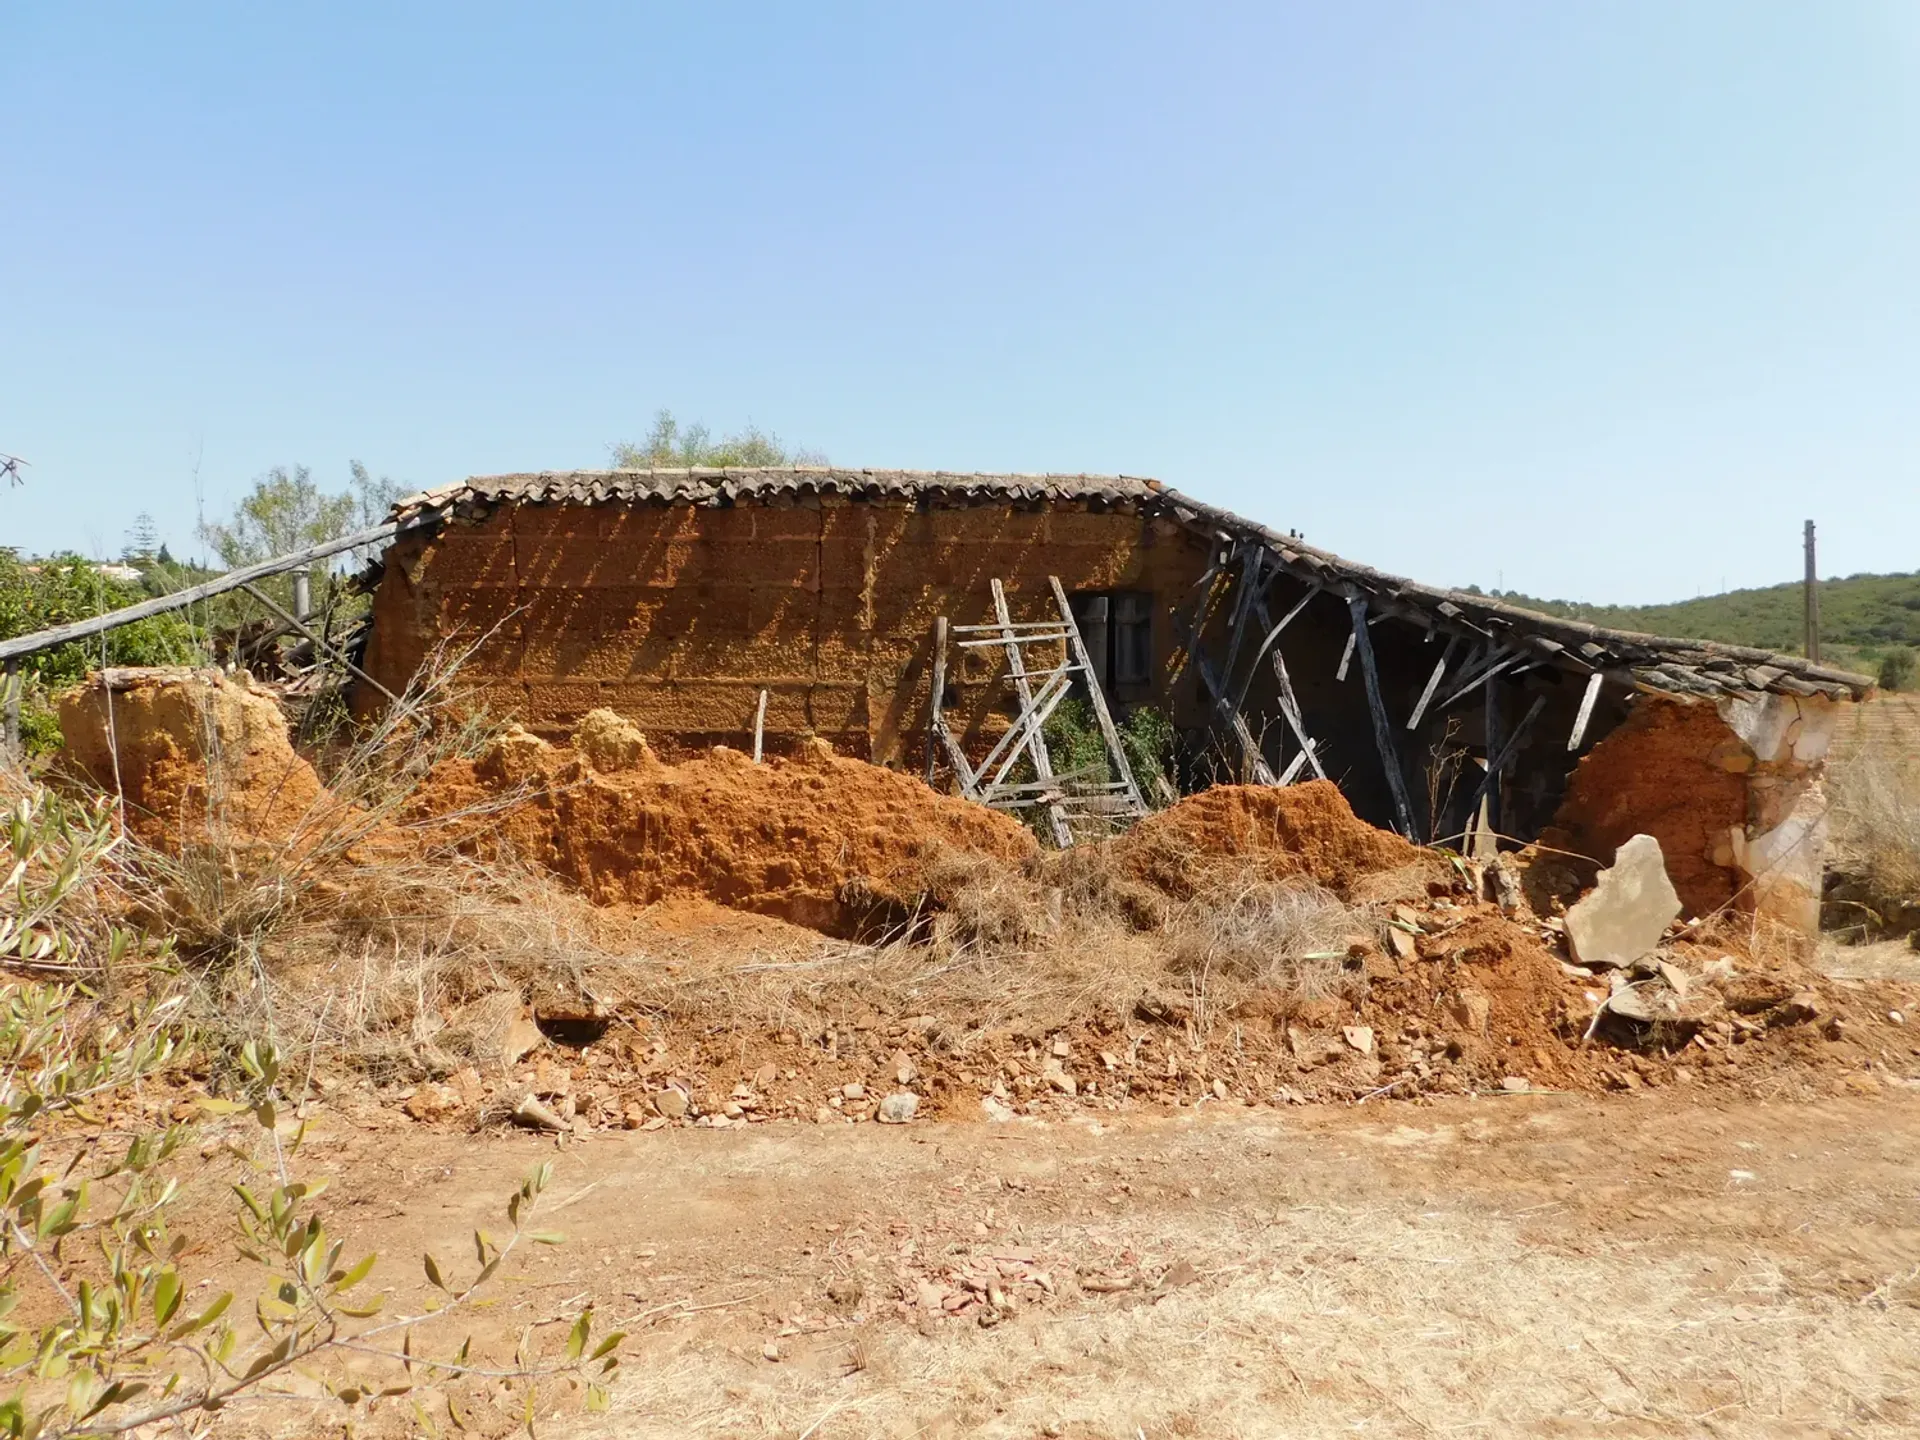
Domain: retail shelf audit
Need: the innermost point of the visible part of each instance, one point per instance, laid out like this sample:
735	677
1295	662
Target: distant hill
1861	617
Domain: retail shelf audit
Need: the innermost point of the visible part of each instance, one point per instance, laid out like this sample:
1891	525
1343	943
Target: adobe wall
678	616
1732	791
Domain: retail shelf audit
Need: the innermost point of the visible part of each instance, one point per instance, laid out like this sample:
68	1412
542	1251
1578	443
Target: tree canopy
669	446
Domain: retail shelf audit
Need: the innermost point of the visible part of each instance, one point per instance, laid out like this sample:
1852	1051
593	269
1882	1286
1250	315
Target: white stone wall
1781	851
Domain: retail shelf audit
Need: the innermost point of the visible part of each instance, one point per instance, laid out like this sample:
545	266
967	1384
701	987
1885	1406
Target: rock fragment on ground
1629	908
898	1109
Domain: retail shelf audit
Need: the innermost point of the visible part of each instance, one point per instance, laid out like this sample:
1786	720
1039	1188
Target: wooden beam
1586	712
1007	749
206	590
1289	701
1037	745
1306	755
1346	658
1382	727
1490	783
1433	683
937	719
1273	634
759	726
1108	731
319	644
12	682
1216	688
1290	711
1252	561
1489	790
1500	660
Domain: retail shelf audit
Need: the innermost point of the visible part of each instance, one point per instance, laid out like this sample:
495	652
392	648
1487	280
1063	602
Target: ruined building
678	598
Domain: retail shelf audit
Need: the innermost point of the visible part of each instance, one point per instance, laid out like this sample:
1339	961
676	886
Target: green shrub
58	591
1897	669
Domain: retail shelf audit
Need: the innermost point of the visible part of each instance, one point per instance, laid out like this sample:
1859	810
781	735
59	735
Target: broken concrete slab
1629	908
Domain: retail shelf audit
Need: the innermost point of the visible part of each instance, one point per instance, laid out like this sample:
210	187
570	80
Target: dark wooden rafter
1212	681
1383	737
1498	760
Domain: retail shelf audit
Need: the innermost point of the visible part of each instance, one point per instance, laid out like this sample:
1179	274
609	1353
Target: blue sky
1591	300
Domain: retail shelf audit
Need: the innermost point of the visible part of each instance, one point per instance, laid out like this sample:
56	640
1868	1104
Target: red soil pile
1661	773
1307	830
195	753
824	841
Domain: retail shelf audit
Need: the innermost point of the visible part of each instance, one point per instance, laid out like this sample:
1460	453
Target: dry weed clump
1875	800
341	899
1289	938
1038	946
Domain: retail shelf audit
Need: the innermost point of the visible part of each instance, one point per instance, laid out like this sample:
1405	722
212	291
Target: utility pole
1812	600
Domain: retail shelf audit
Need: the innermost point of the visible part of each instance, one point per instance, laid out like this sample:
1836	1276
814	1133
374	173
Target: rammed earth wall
677	616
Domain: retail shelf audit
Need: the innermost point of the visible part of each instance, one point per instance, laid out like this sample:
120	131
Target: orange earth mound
824	841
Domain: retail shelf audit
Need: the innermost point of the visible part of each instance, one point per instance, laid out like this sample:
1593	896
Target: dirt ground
1541	1265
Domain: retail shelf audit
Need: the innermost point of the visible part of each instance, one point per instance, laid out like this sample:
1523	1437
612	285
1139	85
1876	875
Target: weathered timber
1292	772
1025	731
1497	764
1495	719
759	726
1252	562
1101	715
1382	727
1283	682
12	682
1433	683
1500	660
1272	635
318	644
999	641
1580	720
1215	686
937	718
1037	744
233	580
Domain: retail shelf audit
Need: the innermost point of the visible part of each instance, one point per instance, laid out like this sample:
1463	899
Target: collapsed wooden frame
1472	663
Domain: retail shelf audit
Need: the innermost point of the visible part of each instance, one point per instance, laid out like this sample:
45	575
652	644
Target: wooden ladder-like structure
1065	798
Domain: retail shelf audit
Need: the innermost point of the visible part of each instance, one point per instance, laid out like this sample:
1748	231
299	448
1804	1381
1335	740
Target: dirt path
1648	1265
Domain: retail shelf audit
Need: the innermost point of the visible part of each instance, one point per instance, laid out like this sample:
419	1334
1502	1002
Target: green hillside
1861	617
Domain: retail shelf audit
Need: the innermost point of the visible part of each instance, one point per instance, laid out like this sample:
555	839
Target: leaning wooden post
1102	716
938	696
11	686
1382	727
759	726
1490	786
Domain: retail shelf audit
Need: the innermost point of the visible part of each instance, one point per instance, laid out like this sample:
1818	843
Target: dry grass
1876	827
1028	948
362	930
